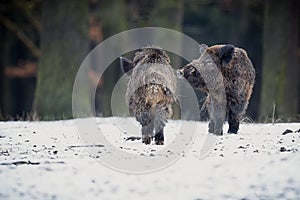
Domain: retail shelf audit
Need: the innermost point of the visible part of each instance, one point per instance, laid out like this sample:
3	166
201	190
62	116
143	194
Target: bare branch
35	23
27	8
21	35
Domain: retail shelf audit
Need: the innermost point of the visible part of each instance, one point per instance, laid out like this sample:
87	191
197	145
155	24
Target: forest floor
47	160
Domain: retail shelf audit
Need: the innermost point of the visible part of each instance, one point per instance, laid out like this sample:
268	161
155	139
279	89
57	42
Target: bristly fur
144	56
151	92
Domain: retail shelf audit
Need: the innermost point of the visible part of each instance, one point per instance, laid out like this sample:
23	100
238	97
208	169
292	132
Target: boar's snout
180	73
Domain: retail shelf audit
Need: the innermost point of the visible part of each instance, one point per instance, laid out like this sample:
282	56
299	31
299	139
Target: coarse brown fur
237	75
150	91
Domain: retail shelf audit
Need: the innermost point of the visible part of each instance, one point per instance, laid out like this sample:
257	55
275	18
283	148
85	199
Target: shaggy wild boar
150	91
227	75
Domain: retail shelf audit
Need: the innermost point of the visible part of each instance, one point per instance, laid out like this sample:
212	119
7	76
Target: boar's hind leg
147	133
159	137
159	125
147	127
233	121
160	119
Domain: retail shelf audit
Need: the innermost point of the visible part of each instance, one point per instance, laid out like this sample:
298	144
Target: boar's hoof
147	139
159	138
218	132
159	142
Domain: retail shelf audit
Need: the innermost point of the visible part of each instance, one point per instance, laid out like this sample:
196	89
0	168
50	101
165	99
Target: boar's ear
202	48
226	53
126	65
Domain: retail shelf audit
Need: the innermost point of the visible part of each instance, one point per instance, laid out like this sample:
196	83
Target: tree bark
280	63
64	45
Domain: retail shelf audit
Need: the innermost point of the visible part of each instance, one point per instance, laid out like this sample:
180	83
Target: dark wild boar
227	75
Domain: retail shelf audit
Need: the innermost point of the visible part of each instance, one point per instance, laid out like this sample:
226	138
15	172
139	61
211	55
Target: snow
258	163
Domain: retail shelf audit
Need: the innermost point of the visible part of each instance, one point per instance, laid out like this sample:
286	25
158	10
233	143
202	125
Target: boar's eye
191	69
226	53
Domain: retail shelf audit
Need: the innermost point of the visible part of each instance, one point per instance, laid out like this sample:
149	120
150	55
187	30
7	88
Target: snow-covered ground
47	160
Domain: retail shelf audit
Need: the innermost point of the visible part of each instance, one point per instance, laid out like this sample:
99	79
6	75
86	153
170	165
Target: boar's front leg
217	115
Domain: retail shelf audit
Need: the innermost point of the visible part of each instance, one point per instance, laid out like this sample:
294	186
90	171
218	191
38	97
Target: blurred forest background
43	43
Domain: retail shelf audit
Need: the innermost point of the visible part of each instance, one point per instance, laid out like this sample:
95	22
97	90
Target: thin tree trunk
280	63
2	35
112	14
168	14
64	45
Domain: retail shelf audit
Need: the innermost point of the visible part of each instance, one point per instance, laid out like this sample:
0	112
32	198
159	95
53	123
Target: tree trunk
64	45
280	63
2	35
167	14
112	15
247	33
